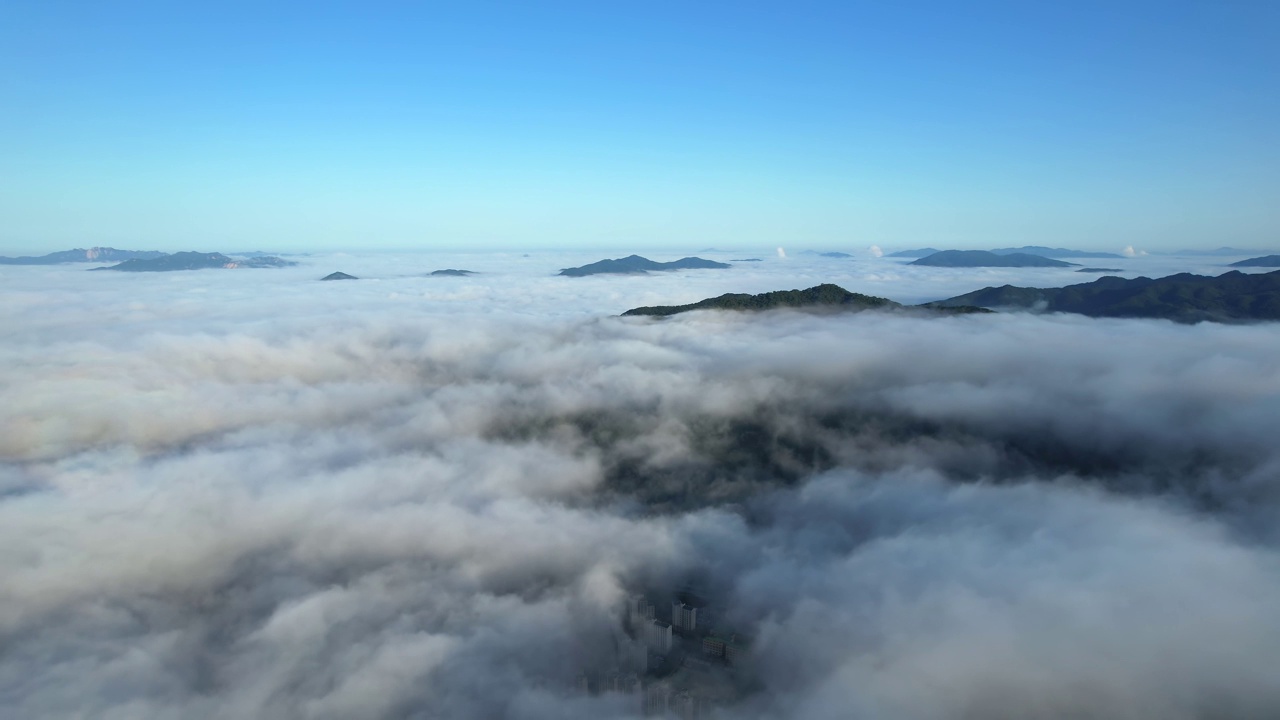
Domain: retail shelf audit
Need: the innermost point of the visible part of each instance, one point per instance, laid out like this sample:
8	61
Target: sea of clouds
250	494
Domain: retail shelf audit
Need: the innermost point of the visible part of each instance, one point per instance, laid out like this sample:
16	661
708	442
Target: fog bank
389	505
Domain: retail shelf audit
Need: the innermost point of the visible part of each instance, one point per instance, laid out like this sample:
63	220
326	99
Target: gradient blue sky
324	125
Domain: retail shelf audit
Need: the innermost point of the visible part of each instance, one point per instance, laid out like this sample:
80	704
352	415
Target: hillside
1231	297
826	296
1265	261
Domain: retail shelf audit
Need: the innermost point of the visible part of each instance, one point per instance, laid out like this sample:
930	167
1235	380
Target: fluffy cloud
271	497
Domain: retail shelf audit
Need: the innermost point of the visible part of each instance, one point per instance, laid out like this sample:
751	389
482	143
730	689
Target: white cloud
252	494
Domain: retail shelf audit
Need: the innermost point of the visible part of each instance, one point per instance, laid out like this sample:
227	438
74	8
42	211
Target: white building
641	612
684	617
657	636
656	698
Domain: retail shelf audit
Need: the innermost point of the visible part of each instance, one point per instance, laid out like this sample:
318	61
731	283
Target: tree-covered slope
1233	296
826	296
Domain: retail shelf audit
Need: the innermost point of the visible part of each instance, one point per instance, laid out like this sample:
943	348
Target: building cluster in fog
679	666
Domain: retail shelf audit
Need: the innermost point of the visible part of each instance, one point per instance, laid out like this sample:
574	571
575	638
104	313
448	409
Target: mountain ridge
984	258
1231	297
196	261
637	265
820	297
79	255
1264	261
1056	253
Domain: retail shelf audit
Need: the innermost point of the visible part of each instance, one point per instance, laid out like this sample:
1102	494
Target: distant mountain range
1233	296
150	260
339	276
918	253
1099	270
1049	252
450	272
1265	261
197	261
1219	252
636	265
80	255
259	253
821	297
1040	250
982	258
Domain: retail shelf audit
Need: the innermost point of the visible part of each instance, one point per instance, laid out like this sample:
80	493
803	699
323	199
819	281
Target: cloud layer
423	504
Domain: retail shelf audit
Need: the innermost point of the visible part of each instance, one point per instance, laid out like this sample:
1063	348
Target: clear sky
325	125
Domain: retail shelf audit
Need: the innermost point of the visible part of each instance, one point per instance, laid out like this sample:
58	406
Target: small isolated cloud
875	251
782	253
1129	251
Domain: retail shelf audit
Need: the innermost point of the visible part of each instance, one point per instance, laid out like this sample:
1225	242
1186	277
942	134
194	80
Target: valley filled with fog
249	493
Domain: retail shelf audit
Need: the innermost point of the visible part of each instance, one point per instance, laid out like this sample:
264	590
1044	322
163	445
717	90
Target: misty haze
689	361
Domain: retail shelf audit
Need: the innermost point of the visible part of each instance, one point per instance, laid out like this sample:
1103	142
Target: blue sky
323	125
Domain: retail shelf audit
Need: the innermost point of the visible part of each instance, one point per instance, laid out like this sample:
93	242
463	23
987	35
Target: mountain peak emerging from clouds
983	258
820	297
79	255
197	261
636	265
1231	297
